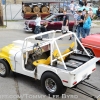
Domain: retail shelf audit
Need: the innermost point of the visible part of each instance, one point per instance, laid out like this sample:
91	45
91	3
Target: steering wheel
37	51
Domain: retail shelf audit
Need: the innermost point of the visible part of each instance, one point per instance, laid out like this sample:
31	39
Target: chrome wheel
2	69
50	85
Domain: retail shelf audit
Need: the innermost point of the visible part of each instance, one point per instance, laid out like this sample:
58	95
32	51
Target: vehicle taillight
93	69
65	81
75	83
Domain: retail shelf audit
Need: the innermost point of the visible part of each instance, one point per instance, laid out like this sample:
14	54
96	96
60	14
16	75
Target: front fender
5	54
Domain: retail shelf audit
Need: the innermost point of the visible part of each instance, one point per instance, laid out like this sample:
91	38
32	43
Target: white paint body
70	77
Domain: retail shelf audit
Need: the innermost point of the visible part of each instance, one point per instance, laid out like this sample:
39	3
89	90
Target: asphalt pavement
20	87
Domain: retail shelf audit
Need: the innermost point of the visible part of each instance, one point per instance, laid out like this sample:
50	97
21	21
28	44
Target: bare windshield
48	17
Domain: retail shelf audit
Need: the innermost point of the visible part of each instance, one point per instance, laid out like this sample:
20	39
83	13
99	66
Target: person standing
84	12
80	20
85	2
98	12
72	7
37	24
65	24
81	3
76	7
75	17
90	13
86	25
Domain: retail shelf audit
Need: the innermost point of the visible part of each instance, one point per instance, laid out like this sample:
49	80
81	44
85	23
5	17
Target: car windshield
48	17
51	16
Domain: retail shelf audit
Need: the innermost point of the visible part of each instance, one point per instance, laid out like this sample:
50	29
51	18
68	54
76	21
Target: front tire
52	85
4	68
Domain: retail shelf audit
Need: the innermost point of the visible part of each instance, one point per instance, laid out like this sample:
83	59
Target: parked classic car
92	44
54	22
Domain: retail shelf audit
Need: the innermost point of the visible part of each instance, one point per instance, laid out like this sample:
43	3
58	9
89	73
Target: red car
54	22
92	44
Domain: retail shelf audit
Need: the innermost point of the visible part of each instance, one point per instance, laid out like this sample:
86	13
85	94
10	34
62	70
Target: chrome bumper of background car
27	29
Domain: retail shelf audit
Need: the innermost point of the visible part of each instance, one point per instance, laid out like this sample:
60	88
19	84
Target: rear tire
52	85
4	68
90	51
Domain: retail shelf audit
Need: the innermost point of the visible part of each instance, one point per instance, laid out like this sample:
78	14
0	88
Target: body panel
8	55
92	42
70	76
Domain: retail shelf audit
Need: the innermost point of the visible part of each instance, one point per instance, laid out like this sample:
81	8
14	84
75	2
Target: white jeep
45	60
